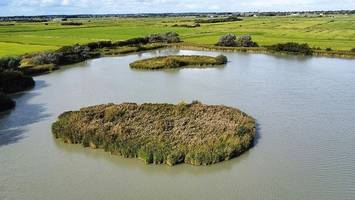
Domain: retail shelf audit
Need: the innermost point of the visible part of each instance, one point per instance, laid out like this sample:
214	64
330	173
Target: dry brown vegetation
193	133
176	61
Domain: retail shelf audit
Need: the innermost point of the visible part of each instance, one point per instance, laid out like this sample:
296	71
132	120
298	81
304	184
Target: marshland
297	131
293	103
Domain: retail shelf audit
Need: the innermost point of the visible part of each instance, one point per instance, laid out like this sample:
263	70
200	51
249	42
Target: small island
177	61
169	134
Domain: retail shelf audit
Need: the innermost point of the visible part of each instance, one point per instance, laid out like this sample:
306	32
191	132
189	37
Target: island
177	61
194	133
12	82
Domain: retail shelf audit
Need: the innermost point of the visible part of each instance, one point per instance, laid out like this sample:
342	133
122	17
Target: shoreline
262	50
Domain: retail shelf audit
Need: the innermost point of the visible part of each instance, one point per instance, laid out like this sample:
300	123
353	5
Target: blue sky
43	7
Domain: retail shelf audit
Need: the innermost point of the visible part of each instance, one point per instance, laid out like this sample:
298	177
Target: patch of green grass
15	49
336	32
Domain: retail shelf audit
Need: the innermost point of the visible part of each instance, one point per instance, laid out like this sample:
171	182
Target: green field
336	32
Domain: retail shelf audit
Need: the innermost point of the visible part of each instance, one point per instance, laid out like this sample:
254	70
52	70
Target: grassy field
336	32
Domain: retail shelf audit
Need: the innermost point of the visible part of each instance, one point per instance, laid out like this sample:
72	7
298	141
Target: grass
336	32
165	62
194	133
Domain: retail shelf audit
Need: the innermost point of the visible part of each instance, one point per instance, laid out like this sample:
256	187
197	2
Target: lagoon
304	107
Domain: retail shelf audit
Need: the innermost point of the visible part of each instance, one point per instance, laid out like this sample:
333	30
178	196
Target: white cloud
32	7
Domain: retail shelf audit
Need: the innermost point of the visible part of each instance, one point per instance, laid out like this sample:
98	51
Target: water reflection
12	123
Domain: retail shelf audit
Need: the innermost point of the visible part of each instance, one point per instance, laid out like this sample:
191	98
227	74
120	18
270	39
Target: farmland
336	32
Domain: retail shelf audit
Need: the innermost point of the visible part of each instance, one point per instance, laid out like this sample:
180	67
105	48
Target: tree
231	40
227	40
245	41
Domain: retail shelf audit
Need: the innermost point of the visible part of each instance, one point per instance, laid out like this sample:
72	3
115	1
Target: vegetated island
169	134
12	82
177	61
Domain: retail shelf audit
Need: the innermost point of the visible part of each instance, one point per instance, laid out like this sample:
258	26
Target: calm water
305	109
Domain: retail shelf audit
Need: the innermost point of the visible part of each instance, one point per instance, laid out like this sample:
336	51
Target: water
305	110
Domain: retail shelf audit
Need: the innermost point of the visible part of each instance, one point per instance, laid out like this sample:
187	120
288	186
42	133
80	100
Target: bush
292	47
14	81
100	44
187	25
170	37
219	20
71	23
6	103
231	40
133	42
221	59
328	49
352	50
9	63
227	40
42	59
245	41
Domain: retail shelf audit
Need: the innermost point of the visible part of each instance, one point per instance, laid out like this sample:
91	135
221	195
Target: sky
47	7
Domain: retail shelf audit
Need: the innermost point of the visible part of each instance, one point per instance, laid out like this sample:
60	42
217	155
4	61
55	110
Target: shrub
42	59
14	81
74	54
187	25
6	102
227	40
292	47
9	63
71	23
245	41
231	40
352	50
218	20
328	49
100	44
221	59
170	37
133	42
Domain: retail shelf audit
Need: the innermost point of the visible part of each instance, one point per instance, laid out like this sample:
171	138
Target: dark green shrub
170	37
133	42
227	40
14	81
328	49
100	44
71	23
292	47
221	59
245	41
9	63
219	20
231	40
352	50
